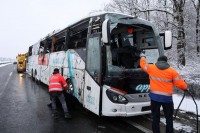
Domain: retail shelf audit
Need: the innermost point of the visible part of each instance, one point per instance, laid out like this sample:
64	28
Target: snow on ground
2	65
187	105
178	126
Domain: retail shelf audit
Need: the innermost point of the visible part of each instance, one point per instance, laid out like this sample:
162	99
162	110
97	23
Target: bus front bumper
125	110
110	108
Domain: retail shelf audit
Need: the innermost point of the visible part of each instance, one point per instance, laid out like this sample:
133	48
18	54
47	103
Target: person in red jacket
162	79
56	85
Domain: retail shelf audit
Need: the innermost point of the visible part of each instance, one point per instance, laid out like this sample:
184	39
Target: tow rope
197	116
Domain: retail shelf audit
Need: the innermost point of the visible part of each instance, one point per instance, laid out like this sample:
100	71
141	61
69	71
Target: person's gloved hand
187	90
142	54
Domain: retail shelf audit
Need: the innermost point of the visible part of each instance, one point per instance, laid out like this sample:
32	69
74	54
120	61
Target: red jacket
56	83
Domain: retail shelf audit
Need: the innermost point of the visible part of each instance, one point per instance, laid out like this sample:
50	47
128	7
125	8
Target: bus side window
72	45
53	44
30	51
57	43
78	36
41	49
76	43
81	44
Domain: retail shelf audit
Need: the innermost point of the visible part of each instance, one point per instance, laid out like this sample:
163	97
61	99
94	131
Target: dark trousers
168	109
61	97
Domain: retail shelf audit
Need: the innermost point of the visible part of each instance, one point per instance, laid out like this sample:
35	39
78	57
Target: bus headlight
116	97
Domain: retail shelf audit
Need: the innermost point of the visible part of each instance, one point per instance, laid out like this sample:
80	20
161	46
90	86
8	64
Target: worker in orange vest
162	78
56	85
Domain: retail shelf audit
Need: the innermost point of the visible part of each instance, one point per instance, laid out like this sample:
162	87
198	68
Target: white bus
99	56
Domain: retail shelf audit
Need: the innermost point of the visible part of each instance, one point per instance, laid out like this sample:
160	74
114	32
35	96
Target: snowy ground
187	105
191	74
178	126
186	117
2	65
187	108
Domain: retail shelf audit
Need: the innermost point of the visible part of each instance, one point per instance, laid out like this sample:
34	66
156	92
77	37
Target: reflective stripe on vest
55	83
177	78
55	89
160	79
161	93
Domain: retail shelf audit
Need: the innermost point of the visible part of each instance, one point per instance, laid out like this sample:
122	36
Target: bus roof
95	14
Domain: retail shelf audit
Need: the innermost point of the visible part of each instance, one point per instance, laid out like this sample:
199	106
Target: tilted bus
99	56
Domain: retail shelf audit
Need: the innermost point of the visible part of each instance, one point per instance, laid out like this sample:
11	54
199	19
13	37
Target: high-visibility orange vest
56	83
162	81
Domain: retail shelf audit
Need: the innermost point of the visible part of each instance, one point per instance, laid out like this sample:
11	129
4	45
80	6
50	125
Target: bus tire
32	76
70	86
35	76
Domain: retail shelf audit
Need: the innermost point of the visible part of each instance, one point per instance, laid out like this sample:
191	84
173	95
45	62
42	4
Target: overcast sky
24	22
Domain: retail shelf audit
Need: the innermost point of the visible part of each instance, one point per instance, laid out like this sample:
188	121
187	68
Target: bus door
92	87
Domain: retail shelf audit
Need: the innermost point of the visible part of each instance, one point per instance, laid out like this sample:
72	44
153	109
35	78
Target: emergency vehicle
21	63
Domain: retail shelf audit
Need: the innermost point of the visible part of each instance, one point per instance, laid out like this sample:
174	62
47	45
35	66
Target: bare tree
196	4
124	6
132	7
166	15
179	16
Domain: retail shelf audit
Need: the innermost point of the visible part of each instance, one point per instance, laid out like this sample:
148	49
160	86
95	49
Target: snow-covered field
179	126
187	105
2	65
184	124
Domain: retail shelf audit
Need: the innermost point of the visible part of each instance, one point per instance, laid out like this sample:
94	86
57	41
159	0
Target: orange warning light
130	30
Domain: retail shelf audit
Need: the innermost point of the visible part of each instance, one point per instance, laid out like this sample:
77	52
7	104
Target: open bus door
92	89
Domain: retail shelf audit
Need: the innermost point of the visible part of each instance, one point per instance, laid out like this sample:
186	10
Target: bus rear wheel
32	76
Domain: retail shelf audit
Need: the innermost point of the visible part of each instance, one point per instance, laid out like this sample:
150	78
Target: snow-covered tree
181	42
166	14
196	4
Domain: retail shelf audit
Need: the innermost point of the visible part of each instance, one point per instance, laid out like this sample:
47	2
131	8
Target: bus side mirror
106	31
167	39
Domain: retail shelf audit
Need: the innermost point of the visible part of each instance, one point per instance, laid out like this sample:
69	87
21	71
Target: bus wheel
32	76
70	89
35	76
36	80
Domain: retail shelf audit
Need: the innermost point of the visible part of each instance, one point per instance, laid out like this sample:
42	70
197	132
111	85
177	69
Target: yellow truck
21	62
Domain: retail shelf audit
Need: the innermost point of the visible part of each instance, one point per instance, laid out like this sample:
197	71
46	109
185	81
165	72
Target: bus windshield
128	39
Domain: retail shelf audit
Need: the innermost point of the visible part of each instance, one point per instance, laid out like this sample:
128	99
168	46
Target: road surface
24	110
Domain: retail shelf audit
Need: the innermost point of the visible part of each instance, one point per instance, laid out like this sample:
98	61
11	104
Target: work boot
67	116
55	115
49	105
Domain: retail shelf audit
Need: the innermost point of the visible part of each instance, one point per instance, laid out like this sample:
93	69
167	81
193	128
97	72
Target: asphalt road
23	109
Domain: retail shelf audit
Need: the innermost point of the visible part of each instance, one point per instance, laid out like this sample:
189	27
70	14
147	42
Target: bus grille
146	108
